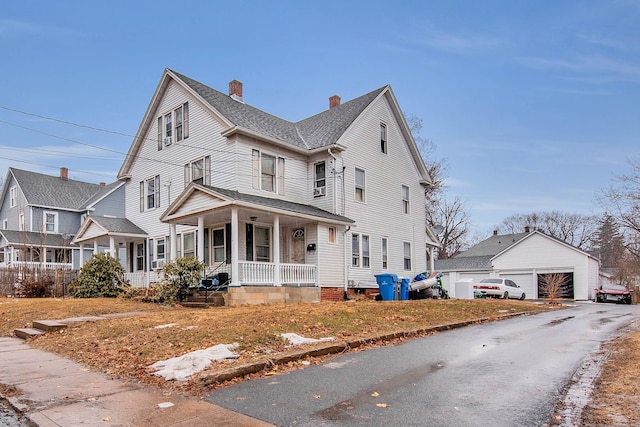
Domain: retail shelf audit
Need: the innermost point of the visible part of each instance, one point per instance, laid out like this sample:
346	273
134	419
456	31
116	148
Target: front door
297	246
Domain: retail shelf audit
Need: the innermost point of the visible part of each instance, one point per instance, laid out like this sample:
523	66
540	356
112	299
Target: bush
179	276
101	276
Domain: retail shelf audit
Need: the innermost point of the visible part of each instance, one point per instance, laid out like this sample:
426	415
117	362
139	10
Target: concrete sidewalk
52	391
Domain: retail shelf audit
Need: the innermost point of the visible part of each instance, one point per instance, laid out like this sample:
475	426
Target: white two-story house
326	203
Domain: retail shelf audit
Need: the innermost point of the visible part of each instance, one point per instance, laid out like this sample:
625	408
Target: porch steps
39	327
199	299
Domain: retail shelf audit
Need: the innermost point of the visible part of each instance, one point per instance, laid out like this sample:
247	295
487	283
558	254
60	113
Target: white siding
381	213
538	252
331	256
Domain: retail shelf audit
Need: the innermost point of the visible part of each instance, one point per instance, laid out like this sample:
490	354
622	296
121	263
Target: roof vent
235	90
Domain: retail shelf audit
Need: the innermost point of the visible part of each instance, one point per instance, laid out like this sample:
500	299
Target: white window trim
316	180
255	246
5	224
278	177
195	242
165	140
206	170
155	248
144	194
212	253
22	224
335	235
404	256
364	185
13	197
384	142
384	252
406	202
361	251
44	221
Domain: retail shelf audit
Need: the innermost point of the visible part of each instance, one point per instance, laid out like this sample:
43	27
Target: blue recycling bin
387	285
404	288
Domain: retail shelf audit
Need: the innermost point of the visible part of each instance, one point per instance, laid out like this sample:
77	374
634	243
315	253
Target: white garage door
525	281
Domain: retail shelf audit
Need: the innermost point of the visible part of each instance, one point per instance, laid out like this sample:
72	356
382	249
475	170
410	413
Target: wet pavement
9	417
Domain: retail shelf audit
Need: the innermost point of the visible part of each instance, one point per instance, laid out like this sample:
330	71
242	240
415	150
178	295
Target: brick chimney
334	101
527	229
235	90
64	174
102	184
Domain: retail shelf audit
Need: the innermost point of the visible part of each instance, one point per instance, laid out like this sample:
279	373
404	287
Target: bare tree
442	211
622	201
576	229
551	283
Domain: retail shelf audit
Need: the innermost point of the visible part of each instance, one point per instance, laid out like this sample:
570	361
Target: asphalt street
505	373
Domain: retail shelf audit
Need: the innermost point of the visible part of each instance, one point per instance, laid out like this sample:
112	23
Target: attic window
383	138
173	126
13	197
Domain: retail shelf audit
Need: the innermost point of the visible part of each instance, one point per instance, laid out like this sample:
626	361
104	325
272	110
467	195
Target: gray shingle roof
281	204
30	238
463	263
321	130
55	192
118	225
493	245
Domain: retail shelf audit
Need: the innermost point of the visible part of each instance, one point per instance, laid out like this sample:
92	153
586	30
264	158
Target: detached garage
525	258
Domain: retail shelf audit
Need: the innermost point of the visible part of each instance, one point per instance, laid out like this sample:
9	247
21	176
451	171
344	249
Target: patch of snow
182	367
168	325
296	339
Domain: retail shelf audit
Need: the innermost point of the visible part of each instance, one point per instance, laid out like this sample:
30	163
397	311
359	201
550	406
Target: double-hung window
13	197
50	222
383	138
320	180
150	193
188	244
385	253
407	255
173	126
160	249
360	185
218	245
405	199
268	172
198	171
360	254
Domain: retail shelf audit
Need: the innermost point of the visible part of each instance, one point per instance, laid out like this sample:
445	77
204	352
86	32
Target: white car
498	288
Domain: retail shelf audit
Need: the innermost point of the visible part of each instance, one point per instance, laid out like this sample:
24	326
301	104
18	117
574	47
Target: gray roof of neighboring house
55	192
281	204
118	225
463	263
493	245
35	239
321	130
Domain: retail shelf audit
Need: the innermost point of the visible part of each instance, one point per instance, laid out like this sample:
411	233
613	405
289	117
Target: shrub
101	276
179	275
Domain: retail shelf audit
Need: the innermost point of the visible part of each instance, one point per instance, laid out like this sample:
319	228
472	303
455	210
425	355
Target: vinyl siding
111	205
544	255
331	257
381	213
12	215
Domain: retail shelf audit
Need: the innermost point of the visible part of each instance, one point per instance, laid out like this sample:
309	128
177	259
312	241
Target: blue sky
534	104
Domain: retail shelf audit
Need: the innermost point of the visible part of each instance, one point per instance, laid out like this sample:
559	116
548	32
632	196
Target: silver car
498	288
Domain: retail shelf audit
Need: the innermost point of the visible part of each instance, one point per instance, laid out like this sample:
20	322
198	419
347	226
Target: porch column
81	261
112	247
95	247
201	238
235	267
276	250
173	251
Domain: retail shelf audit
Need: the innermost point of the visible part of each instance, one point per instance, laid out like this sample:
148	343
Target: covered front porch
255	241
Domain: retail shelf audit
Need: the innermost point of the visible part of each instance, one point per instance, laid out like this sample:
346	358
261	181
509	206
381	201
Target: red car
613	293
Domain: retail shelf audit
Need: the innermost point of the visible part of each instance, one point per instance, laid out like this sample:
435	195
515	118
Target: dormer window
173	126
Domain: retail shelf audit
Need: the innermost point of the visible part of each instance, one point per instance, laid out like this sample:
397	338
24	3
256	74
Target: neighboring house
524	258
326	202
40	214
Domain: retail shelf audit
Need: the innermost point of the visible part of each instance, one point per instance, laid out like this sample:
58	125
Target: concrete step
48	325
192	304
26	333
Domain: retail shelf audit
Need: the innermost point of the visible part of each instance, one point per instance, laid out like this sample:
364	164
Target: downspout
335	163
346	261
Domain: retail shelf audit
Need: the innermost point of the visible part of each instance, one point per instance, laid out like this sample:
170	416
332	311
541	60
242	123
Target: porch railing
41	265
263	273
142	279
